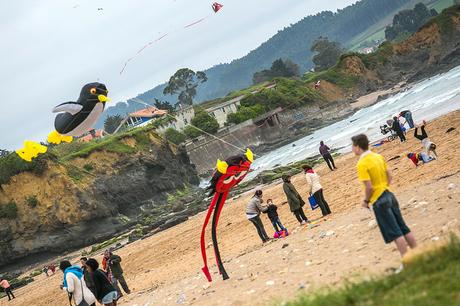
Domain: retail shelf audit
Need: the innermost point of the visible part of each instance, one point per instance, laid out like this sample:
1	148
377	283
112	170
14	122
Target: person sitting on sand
315	189
74	284
420	157
7	288
106	293
274	218
295	200
373	172
253	210
427	144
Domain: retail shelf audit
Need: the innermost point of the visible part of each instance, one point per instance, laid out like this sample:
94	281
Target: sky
51	48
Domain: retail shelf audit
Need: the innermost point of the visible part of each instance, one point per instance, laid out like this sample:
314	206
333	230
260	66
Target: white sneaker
303	223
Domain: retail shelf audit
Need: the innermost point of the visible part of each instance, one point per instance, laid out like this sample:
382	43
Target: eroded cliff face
87	199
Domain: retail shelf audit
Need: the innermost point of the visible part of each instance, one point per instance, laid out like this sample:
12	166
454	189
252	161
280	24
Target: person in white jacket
316	190
74	284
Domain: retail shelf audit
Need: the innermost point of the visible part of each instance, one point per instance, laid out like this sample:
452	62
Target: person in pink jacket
6	286
315	189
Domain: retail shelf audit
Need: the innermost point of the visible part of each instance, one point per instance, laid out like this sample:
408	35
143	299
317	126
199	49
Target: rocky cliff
84	193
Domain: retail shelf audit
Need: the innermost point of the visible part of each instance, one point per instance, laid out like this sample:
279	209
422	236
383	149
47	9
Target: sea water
426	100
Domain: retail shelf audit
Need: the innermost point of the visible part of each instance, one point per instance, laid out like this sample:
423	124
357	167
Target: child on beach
421	157
427	144
274	218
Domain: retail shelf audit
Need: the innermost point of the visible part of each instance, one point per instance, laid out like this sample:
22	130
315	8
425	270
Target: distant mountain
292	43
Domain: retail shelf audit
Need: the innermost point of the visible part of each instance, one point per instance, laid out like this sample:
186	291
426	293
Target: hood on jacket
76	270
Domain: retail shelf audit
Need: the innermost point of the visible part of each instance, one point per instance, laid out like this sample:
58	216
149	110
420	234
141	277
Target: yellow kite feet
56	138
31	150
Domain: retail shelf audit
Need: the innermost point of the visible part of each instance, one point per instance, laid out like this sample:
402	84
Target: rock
445	229
270	283
451	186
285	245
449	130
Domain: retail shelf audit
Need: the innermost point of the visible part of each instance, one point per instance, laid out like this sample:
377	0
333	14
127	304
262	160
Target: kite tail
205	268
215	221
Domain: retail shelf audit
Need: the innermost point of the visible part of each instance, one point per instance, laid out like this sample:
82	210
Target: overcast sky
50	48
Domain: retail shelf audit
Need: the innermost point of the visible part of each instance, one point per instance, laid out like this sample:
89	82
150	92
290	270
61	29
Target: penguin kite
77	118
228	174
216	7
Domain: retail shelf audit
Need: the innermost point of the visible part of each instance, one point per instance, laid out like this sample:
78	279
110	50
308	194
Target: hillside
79	194
293	42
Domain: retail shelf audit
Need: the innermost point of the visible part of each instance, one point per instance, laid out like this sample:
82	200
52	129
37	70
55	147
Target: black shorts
389	218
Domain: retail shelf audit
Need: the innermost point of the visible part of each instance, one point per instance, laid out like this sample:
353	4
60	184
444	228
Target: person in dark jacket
104	291
113	262
295	200
273	216
326	154
253	210
397	128
87	275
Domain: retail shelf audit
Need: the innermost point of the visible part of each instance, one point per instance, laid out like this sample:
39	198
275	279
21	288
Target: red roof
149	112
89	137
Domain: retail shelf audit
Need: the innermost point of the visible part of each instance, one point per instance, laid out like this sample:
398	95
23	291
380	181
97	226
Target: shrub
88	167
9	210
205	122
32	201
174	136
12	164
191	132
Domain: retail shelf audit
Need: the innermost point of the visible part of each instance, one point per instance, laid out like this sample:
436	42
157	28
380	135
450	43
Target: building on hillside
221	111
143	116
184	116
368	50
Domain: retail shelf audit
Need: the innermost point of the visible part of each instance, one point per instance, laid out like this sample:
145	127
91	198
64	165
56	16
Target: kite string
201	130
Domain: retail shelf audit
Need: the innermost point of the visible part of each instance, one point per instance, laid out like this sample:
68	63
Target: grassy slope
429	279
377	31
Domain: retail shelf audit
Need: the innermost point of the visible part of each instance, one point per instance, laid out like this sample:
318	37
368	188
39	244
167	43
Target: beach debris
270	283
330	233
451	129
285	245
181	299
345	251
435	238
206	286
308	263
250	291
451	186
394	157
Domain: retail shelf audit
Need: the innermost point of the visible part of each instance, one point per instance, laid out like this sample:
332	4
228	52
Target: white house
221	111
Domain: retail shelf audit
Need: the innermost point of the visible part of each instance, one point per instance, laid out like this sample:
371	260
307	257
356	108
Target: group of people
397	125
50	268
256	205
91	282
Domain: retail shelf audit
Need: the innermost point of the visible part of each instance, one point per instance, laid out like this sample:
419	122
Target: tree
205	122
407	22
328	53
164	105
174	136
4	153
191	132
184	84
279	68
111	123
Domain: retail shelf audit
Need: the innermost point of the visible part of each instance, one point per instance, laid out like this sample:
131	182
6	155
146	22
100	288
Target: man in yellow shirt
376	177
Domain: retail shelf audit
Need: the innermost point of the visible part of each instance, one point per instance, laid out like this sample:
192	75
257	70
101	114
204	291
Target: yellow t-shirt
372	167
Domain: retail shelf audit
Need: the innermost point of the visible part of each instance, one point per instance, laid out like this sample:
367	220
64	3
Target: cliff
79	194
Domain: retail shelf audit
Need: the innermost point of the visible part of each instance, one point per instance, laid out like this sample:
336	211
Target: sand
165	269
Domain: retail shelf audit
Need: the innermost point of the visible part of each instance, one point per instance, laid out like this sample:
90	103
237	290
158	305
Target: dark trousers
120	280
319	197
330	161
260	228
300	215
277	223
9	293
420	136
401	136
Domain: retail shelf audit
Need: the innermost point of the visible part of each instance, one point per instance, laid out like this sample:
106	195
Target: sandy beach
165	269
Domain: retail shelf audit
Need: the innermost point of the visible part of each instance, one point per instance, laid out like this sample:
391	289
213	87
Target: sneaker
400	269
303	223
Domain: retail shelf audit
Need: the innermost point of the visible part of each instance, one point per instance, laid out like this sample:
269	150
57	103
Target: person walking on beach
427	144
406	114
274	218
397	128
74	284
295	200
87	275
105	292
324	150
373	172
316	190
7	288
253	211
114	267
